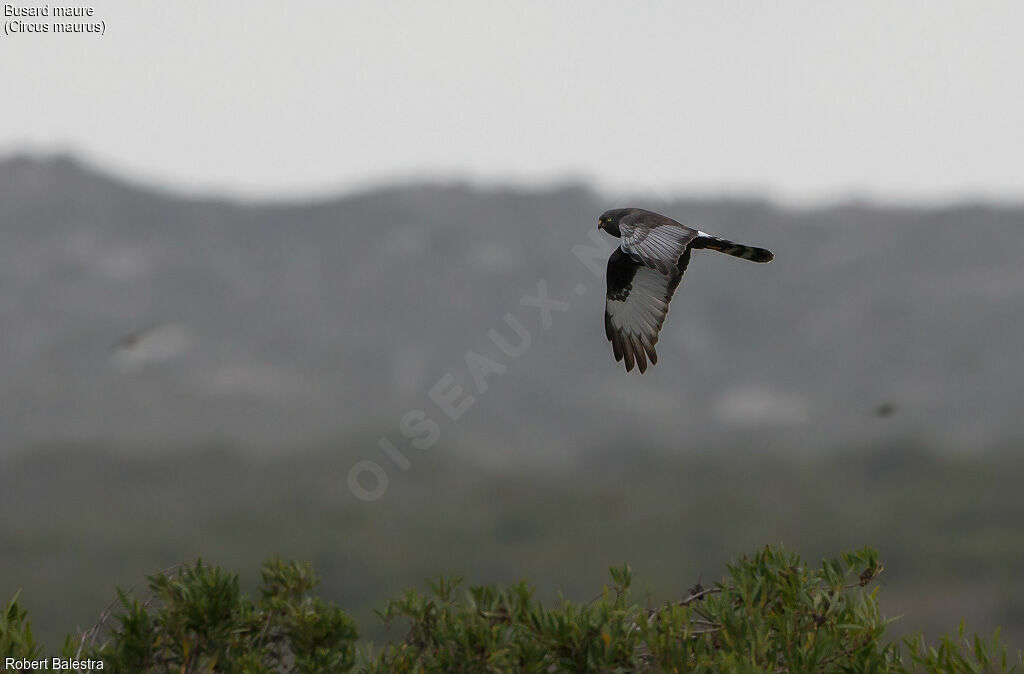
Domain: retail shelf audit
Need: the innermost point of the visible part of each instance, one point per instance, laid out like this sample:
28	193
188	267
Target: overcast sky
796	100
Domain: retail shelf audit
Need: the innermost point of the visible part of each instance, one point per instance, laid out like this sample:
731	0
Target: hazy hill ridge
139	318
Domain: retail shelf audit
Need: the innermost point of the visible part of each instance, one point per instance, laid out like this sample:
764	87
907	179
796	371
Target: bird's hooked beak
600	224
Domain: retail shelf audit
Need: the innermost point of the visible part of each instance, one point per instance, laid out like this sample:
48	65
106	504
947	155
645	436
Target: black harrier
645	270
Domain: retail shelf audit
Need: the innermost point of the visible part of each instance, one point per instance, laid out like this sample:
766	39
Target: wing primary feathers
641	356
636	304
627	352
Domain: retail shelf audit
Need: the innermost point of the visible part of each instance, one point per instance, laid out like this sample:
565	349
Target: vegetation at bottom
948	526
771	612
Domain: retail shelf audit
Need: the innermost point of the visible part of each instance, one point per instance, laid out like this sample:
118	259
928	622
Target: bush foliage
771	612
16	633
196	619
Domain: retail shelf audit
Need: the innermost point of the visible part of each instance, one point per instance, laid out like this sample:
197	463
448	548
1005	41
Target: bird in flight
645	270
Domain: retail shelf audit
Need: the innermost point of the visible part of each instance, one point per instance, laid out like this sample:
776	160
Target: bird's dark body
644	272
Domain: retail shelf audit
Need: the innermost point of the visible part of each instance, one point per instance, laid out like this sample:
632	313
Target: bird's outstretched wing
656	240
636	305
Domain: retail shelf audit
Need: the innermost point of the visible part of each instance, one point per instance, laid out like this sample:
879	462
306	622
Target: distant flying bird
150	346
645	270
885	410
132	339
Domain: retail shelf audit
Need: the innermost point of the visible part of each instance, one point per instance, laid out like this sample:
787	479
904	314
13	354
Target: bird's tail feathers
751	253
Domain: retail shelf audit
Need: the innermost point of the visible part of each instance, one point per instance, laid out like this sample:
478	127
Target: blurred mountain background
140	320
195	377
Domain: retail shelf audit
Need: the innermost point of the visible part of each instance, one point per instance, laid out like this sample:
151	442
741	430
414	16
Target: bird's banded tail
735	249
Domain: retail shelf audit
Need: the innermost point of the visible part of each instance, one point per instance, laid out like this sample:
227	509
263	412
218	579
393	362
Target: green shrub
771	612
16	633
197	620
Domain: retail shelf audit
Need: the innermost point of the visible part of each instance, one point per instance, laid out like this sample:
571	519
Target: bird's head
609	220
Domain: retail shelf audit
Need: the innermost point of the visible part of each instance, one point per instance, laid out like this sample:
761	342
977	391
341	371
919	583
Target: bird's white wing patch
635	313
657	247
